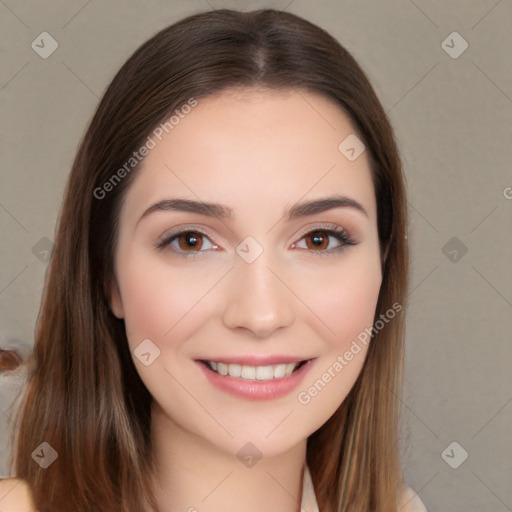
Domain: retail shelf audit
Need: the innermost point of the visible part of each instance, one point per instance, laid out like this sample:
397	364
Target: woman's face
280	268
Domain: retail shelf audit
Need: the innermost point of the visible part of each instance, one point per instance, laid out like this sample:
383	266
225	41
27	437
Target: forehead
249	147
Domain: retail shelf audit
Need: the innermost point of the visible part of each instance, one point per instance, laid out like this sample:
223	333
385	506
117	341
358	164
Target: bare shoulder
411	502
15	496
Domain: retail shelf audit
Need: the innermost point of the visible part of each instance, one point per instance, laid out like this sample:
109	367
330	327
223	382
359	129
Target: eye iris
319	239
190	240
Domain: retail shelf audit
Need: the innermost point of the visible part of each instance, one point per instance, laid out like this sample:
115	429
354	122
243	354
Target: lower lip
256	389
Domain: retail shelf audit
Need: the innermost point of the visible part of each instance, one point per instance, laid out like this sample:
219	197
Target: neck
193	475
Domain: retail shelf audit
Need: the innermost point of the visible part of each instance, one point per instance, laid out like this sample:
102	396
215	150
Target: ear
114	299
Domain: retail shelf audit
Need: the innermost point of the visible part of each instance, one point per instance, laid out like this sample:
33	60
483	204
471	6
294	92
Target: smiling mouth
254	373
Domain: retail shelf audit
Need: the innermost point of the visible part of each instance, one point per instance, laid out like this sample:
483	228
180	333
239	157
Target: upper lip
256	360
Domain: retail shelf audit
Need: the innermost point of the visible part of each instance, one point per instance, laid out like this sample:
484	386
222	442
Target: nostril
9	360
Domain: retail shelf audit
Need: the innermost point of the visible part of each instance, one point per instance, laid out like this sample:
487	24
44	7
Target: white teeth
280	370
235	370
248	372
276	371
290	367
222	368
264	372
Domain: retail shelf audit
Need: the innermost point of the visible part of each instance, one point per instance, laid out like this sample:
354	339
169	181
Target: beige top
15	497
410	500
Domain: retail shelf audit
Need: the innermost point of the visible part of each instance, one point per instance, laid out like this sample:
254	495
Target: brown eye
187	243
190	240
325	241
317	240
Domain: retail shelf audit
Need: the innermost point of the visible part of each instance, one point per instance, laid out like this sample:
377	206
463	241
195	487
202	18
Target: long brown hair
85	398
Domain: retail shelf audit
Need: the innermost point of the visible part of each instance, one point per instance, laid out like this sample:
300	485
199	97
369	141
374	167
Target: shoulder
15	496
411	502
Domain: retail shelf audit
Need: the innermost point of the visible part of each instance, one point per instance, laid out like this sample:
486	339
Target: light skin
307	295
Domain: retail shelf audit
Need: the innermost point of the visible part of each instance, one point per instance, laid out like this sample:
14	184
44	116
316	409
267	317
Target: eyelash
340	234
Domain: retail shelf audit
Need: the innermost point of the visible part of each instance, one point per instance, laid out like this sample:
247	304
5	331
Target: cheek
344	301
160	304
354	310
346	304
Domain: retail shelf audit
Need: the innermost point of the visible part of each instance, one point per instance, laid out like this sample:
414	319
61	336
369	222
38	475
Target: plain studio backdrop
443	71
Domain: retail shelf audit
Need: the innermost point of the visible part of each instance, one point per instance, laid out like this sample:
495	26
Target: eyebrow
220	211
321	205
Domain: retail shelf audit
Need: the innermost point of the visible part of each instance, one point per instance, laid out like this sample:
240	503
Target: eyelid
321	226
177	230
163	241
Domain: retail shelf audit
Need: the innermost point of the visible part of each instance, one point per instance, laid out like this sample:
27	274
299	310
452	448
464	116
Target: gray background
453	119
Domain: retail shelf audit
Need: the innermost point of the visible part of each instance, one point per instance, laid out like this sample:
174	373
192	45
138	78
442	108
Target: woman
222	325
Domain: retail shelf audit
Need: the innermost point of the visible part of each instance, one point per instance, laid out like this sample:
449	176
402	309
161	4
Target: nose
258	299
